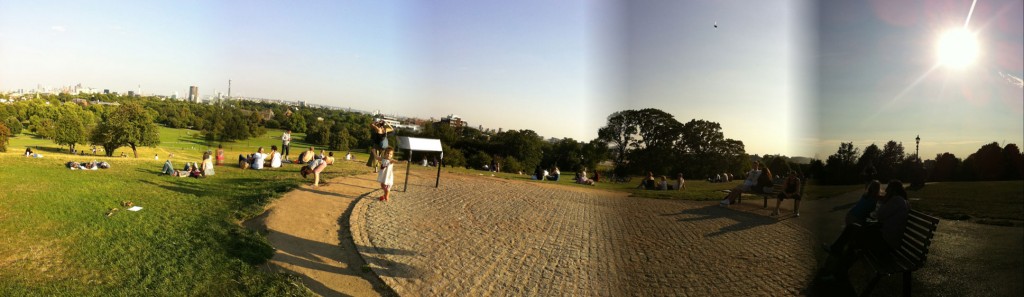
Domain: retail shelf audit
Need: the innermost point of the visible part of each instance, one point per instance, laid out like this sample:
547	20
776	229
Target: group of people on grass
650	183
554	174
87	165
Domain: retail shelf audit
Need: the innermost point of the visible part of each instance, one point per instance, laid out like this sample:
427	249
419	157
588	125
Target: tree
1014	169
705	151
341	140
129	125
319	134
478	159
14	125
868	162
620	132
5	135
43	126
988	163
840	168
70	131
889	160
945	168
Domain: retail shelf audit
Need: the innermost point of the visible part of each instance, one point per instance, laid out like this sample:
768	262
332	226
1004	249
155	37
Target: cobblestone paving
478	236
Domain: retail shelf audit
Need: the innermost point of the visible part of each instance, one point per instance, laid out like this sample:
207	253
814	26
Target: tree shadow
743	220
178	186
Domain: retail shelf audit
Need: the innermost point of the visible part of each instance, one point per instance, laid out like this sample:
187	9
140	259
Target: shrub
5	135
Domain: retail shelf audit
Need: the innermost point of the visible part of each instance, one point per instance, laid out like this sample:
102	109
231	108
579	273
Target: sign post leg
438	180
408	165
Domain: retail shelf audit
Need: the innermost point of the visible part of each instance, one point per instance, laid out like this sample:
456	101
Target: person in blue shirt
857	215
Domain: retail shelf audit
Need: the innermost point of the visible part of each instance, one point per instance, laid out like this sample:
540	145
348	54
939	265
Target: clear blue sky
783	76
878	78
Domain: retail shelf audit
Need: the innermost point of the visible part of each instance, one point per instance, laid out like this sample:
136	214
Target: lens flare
957	48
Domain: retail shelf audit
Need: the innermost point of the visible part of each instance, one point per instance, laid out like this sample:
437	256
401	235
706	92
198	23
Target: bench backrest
916	238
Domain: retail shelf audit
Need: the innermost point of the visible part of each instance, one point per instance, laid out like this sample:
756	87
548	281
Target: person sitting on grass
648	182
244	161
583	177
555	173
386	176
537	174
307	156
790	190
881	238
330	158
663	184
207	166
748	185
258	158
314	167
28	151
275	157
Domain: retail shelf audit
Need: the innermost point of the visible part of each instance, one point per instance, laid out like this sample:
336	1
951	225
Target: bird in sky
716	24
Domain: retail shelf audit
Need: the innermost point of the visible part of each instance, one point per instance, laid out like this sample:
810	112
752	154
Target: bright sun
957	48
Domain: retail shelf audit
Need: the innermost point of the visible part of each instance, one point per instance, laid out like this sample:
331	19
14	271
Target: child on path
386	175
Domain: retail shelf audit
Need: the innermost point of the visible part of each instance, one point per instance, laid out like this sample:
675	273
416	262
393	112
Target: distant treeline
850	166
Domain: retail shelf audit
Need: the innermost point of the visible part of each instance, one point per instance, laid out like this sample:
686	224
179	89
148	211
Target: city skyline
792	77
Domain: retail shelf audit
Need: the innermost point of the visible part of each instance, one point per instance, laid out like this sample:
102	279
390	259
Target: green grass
187	240
992	201
185	144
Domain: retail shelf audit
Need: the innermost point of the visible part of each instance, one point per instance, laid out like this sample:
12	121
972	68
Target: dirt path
309	228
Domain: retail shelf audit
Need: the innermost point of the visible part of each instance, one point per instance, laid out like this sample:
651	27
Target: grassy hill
185	241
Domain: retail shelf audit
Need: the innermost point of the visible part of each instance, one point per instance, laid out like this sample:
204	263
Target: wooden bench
909	257
776	188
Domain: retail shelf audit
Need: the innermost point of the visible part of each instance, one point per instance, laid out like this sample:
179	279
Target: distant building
131	93
453	121
80	101
267	114
193	94
97	102
106	91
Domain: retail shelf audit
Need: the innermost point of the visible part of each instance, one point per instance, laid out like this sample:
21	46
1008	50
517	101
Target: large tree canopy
129	125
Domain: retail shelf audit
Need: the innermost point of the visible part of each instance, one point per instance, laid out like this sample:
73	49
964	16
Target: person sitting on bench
790	190
879	239
748	184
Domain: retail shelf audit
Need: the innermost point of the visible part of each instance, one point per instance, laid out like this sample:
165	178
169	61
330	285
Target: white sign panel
419	144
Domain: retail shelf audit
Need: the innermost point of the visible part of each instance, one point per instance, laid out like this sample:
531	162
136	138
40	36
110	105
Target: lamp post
917	147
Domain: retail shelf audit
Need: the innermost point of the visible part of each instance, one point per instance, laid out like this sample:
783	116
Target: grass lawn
990	201
185	241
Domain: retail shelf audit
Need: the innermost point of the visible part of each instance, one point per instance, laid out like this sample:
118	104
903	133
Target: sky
785	77
879	78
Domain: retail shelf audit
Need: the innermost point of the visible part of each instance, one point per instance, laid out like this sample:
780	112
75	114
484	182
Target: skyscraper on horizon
193	94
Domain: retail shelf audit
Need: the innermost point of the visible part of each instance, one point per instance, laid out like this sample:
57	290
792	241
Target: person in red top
220	154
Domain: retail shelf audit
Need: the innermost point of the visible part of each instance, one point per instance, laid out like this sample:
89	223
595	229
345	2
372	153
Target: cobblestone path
481	236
